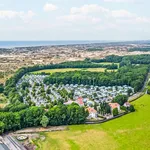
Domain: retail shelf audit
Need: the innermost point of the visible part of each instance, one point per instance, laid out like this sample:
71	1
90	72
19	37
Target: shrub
44	122
131	108
124	108
115	112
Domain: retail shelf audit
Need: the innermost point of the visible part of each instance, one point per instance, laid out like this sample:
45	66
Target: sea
12	44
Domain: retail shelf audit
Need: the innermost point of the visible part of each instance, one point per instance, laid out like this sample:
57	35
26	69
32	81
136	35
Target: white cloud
75	18
9	14
96	16
122	14
50	7
143	20
86	9
25	16
120	1
95	20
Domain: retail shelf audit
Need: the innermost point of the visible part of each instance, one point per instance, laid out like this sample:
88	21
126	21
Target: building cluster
83	95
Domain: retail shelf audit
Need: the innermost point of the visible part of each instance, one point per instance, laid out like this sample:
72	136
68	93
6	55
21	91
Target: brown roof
80	101
91	110
114	105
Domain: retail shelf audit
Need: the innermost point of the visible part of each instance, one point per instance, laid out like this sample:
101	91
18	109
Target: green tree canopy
115	112
44	122
120	99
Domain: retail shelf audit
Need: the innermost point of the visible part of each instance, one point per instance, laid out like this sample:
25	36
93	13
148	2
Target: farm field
71	69
109	63
131	131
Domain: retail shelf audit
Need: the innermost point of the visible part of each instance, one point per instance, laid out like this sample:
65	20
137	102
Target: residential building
113	106
92	112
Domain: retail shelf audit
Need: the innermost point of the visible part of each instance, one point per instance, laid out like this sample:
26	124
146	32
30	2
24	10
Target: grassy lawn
130	132
109	63
71	69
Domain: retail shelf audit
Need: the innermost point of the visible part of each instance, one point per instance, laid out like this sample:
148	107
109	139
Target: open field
131	131
71	69
109	63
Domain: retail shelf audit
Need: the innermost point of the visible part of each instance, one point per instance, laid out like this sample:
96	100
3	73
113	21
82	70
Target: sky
74	20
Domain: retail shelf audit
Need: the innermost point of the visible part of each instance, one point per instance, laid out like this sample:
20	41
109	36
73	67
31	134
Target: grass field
130	132
71	69
109	63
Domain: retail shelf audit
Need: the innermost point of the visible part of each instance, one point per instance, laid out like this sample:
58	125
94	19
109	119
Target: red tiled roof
80	101
114	105
91	110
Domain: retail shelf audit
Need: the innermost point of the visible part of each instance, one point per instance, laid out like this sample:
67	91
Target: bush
124	108
1	88
131	108
44	122
115	112
120	99
148	90
2	126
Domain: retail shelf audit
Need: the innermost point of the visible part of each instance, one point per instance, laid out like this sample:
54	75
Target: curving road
139	94
12	143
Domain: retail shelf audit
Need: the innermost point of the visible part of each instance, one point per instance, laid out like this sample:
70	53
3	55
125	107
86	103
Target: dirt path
40	129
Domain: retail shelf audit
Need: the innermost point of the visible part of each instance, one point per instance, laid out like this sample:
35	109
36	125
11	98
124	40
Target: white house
126	104
92	112
80	102
113	106
69	102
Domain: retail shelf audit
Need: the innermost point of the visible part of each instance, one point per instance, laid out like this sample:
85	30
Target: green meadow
72	69
130	132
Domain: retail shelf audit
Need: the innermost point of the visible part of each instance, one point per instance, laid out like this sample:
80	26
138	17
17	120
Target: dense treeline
86	64
31	117
133	59
11	83
14	107
137	59
95	49
143	49
128	75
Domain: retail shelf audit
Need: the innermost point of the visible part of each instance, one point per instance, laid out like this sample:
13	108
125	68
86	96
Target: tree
48	91
44	122
120	99
131	108
148	90
115	112
1	88
24	85
2	126
129	92
124	108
